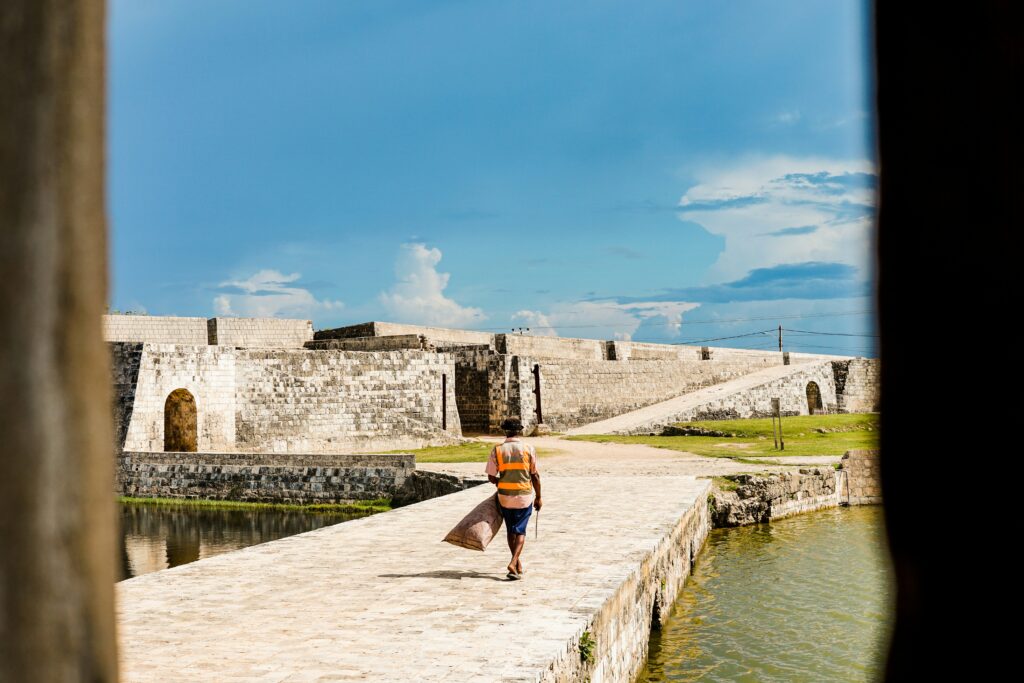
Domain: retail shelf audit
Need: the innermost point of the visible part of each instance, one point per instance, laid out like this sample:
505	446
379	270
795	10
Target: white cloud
788	118
538	323
610	320
270	294
748	201
418	295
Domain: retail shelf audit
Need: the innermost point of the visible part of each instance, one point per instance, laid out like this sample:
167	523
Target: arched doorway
180	428
813	399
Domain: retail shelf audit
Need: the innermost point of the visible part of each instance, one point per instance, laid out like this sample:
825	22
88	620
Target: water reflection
807	598
158	537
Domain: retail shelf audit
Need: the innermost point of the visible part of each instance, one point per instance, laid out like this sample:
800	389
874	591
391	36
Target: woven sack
479	527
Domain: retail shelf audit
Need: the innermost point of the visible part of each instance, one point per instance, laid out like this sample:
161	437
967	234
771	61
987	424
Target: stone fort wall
860	385
259	332
286	401
155	329
438	336
266	385
239	332
575	393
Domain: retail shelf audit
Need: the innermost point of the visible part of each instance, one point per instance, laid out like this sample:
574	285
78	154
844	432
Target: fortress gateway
264	408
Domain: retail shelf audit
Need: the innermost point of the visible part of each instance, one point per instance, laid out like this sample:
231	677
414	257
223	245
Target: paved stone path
383	599
587	458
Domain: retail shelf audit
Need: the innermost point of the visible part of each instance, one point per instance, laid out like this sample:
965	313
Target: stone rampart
791	390
437	336
258	333
550	347
396	342
208	373
861	384
156	329
279	400
574	393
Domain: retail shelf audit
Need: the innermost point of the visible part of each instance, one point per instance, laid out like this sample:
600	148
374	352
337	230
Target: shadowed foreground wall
57	517
950	209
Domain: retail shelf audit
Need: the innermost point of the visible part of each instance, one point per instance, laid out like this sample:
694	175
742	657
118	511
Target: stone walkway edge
383	599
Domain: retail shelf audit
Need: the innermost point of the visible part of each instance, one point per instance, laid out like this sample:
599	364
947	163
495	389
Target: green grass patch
368	506
474	451
753	438
859	422
724	484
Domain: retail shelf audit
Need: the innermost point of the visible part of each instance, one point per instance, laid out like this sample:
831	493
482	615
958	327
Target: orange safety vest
514	460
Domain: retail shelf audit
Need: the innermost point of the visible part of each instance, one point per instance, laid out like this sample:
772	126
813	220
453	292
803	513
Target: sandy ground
561	457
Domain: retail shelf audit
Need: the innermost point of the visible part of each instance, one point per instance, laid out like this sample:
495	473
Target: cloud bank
609	319
418	293
270	294
784	210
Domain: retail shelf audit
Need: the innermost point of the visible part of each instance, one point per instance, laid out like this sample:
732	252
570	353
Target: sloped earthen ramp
745	395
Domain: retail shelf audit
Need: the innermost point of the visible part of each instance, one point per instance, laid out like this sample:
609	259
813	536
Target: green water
158	537
808	598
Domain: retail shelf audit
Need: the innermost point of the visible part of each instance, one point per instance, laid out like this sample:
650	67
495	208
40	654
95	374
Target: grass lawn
754	437
377	505
475	451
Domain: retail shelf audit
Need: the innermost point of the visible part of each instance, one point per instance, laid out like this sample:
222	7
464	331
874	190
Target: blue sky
662	171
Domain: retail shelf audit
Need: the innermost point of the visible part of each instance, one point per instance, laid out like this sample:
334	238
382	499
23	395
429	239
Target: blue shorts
516	519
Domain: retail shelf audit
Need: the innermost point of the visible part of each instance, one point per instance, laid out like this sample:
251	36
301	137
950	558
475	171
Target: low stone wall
422	485
265	478
620	631
762	498
863	485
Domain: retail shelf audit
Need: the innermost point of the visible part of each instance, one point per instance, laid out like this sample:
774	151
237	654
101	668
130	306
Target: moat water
159	537
807	598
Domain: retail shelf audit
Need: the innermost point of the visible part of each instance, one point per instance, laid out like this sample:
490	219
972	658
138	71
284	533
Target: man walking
512	466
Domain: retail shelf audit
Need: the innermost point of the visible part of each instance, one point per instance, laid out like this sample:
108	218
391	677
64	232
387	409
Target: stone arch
814	399
181	431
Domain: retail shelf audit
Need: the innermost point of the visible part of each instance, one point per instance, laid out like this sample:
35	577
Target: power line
833	334
838	348
691	322
735	336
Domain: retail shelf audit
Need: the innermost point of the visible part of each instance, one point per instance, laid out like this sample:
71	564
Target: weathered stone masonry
240	332
291	478
762	498
268	386
284	401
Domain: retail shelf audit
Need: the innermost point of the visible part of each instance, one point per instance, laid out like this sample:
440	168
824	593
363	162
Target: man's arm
535	479
492	467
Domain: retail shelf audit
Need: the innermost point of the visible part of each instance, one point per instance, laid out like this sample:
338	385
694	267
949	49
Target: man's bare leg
511	537
516	565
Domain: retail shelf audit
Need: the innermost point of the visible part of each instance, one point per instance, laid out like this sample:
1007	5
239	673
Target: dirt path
561	457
